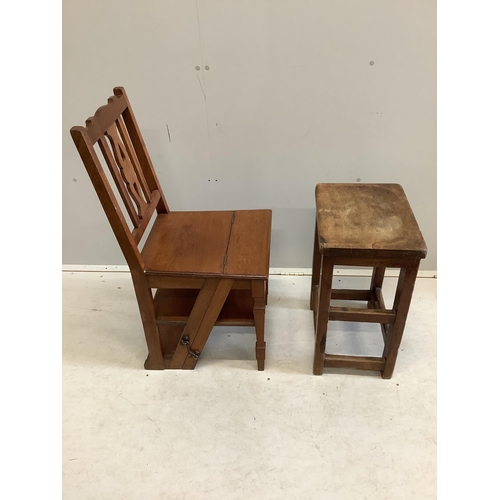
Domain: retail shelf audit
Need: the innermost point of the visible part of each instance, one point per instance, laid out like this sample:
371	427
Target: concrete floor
227	431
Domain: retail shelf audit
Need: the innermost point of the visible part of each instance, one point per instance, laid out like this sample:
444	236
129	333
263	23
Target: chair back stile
114	129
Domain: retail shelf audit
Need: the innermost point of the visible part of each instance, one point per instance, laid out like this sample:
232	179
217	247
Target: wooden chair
196	269
363	225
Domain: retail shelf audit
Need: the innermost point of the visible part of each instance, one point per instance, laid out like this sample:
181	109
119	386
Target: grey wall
297	92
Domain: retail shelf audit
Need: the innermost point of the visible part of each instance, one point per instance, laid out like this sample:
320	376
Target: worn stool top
367	220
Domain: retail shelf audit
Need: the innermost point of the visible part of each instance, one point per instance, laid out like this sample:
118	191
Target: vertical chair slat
133	158
141	150
126	169
113	167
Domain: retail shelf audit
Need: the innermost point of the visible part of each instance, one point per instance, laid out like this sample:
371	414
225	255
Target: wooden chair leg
154	361
316	263
259	310
402	300
325	291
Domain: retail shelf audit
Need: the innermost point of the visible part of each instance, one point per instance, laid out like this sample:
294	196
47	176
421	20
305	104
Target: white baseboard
345	271
94	268
273	271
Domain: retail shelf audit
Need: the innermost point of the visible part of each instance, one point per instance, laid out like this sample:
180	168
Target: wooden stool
363	225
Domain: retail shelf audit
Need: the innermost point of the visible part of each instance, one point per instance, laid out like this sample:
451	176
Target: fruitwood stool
363	225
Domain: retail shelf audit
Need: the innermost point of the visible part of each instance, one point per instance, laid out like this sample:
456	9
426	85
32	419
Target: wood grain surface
367	220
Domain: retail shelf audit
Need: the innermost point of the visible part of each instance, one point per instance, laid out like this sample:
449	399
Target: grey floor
227	431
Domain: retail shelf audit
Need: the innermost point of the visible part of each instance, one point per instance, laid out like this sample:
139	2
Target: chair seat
231	244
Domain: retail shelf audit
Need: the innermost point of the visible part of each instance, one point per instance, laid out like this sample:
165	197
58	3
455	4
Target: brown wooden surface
377	277
376	282
239	243
122	128
140	149
145	301
170	335
127	172
175	305
392	322
139	231
316	268
248	251
119	182
357	362
202	304
393	262
194	282
201	251
379	298
199	339
361	315
314	303
367	220
188	243
402	300
364	225
107	198
259	309
323	309
350	294
104	117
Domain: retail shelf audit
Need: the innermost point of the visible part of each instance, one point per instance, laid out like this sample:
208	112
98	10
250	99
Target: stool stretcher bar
357	362
362	315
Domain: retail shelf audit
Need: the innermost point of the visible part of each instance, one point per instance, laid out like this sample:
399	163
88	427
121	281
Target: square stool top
367	221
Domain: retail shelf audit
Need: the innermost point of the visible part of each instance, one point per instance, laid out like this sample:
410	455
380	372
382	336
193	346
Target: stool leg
325	292
259	310
316	263
402	299
377	281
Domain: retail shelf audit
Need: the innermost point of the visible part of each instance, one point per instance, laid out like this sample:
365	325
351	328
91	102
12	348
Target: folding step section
174	307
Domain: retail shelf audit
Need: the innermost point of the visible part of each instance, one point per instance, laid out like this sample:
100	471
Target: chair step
175	305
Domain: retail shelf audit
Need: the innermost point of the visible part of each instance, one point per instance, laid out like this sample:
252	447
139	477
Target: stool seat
369	225
367	220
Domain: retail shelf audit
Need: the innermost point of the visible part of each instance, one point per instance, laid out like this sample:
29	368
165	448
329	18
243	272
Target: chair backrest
114	128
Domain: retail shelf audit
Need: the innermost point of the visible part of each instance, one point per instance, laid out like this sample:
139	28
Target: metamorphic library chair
196	269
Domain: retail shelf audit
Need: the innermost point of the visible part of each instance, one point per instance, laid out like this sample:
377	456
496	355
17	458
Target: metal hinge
185	342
